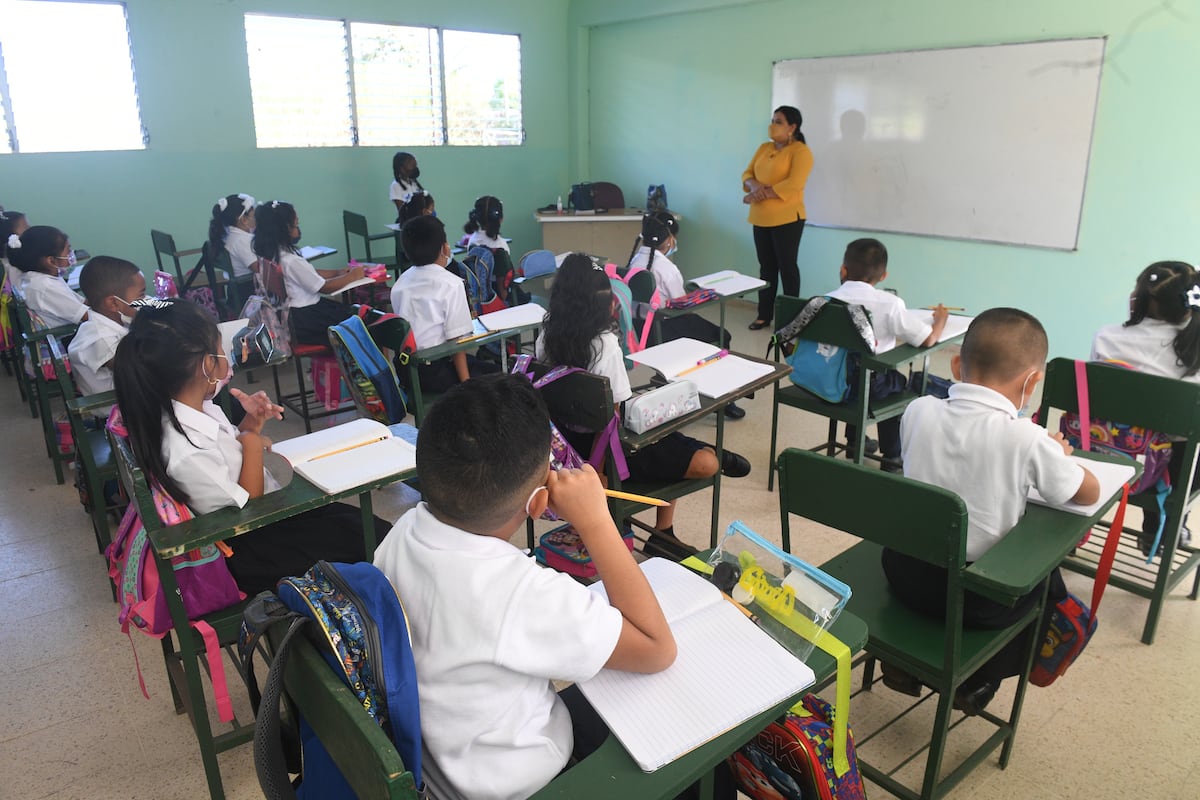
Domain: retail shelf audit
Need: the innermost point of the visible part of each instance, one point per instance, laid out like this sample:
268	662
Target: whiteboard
988	143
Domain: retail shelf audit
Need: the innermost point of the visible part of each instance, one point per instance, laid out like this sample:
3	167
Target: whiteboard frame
1102	39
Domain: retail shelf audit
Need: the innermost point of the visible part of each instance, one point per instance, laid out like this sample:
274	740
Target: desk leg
368	523
716	502
721	302
189	664
414	383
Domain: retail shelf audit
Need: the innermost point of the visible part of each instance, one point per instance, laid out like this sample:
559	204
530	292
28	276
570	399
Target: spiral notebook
727	670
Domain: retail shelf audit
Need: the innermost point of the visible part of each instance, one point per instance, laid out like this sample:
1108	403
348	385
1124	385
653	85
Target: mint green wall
190	59
684	99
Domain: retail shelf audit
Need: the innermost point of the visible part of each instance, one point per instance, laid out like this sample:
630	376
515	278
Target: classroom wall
684	99
190	61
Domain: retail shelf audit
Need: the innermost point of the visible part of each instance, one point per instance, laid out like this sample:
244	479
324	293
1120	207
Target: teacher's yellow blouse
786	171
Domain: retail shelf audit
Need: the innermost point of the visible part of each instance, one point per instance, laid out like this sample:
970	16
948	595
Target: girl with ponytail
232	229
165	372
483	224
43	254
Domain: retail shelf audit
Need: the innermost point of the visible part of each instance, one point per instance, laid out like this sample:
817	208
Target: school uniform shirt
206	459
976	445
52	299
890	317
490	629
1147	347
481	238
666	274
786	171
607	361
434	302
402	190
92	349
240	246
300	280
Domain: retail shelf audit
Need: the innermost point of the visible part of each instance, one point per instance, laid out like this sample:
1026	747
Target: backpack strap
801	320
216	669
1085	416
270	758
1104	566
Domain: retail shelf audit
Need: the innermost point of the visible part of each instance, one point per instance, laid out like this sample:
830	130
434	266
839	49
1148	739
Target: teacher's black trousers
777	249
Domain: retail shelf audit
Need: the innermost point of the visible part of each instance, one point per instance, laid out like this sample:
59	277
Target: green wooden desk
610	772
1035	546
721	301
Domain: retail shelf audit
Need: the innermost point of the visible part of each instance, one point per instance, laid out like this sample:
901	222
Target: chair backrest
356	224
920	520
580	401
164	244
831	325
642	286
134	481
607	195
360	748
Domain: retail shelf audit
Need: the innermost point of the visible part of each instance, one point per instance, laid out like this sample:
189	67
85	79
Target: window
66	78
331	83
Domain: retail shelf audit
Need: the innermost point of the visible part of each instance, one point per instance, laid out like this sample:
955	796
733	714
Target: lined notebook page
729	282
725	375
359	466
304	448
658	718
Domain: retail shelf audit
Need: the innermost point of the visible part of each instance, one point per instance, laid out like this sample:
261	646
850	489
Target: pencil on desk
344	449
637	498
473	337
704	362
948	308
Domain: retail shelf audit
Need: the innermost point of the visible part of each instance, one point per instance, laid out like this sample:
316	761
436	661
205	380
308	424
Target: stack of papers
689	359
349	455
728	282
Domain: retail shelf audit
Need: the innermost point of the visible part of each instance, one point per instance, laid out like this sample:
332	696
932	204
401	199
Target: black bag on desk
253	346
656	198
582	197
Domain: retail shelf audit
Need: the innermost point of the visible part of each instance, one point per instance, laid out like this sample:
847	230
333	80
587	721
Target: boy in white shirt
864	265
434	302
490	629
976	444
110	285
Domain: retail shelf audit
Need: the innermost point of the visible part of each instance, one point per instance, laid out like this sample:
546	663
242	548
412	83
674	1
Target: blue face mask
672	250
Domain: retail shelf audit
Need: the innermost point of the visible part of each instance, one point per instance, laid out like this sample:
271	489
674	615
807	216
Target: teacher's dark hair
793	117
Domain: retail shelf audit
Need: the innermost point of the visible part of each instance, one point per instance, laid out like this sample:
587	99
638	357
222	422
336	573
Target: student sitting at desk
165	372
433	301
483	225
44	255
578	332
12	224
1161	337
276	234
977	445
232	229
652	251
110	285
864	265
490	629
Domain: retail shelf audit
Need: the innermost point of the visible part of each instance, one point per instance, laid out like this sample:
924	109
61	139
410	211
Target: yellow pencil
474	337
637	498
344	449
948	308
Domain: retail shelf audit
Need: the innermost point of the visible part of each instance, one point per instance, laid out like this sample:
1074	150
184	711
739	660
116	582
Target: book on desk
728	282
1111	476
727	670
714	371
348	455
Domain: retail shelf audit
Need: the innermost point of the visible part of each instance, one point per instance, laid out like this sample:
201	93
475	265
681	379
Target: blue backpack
817	367
351	614
369	375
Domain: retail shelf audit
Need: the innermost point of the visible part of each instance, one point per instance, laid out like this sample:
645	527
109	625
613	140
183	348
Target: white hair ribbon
14	242
222	204
1193	296
247	203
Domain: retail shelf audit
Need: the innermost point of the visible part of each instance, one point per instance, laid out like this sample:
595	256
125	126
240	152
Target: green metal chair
928	523
356	225
43	387
1170	407
832	326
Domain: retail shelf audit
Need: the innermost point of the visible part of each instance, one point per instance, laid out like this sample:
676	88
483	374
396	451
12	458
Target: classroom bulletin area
674	93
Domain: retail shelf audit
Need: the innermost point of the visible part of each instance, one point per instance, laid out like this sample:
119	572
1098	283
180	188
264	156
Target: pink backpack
631	341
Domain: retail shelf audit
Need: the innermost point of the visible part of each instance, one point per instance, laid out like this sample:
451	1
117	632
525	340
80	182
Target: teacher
774	187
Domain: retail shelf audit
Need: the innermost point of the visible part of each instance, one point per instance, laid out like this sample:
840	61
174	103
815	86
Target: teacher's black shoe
733	411
734	465
759	324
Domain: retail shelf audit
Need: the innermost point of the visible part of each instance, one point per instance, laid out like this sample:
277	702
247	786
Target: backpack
817	367
352	615
368	373
268	305
203	578
479	273
792	758
631	341
1153	449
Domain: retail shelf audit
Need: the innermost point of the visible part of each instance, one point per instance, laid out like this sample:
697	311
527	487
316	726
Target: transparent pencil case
781	590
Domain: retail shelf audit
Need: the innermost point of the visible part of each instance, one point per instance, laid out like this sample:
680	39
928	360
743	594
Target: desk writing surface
458	345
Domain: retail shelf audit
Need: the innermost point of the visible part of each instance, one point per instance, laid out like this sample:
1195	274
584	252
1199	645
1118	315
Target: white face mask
1022	410
220	383
532	495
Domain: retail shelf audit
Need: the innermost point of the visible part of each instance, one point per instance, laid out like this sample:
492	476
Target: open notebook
364	281
728	282
956	324
676	359
309	252
727	670
1111	477
348	455
515	317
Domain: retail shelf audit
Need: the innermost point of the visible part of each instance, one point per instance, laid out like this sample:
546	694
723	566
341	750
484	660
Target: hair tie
14	242
274	204
1154	277
247	203
150	302
222	204
1193	296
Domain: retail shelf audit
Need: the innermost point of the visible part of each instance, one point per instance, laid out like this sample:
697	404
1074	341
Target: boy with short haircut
864	265
976	444
490	629
110	285
434	302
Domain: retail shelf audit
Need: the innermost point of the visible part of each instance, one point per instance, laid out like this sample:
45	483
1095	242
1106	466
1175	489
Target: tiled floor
74	723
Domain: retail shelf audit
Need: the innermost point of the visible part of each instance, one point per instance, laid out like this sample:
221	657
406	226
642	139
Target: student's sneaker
892	464
870	447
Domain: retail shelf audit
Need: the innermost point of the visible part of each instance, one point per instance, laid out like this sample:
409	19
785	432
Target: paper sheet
362	465
956	324
1111	477
728	282
309	252
364	281
303	448
675	360
515	317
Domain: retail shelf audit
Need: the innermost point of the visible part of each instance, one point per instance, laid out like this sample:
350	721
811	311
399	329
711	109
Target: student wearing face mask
275	238
773	187
652	251
44	255
110	286
11	222
405	173
166	371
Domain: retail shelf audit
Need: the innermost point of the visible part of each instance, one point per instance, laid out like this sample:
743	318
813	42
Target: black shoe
973	701
890	464
759	324
870	447
734	465
664	545
732	411
1146	540
900	681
